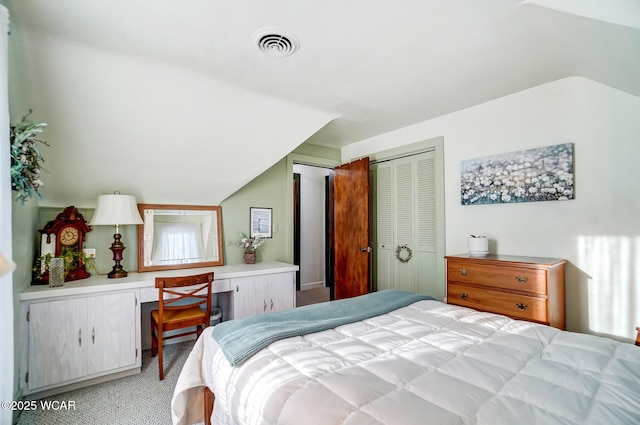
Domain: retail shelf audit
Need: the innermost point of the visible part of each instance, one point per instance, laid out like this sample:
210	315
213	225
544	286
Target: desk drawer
150	294
509	304
506	277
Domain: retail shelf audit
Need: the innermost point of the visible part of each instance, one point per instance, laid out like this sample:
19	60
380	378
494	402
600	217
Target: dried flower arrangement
26	159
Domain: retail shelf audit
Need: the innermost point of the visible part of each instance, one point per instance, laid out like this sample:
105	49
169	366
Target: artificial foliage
250	245
26	159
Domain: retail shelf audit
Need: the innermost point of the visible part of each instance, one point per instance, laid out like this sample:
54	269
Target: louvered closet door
406	223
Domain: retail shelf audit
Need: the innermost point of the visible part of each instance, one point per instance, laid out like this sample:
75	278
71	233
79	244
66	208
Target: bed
426	362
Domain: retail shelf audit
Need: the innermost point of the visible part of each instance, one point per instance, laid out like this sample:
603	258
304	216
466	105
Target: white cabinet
89	330
259	294
74	339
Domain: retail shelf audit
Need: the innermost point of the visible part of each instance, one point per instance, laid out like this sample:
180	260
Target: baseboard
312	285
81	384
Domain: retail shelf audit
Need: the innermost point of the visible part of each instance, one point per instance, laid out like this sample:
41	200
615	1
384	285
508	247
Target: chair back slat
165	285
177	290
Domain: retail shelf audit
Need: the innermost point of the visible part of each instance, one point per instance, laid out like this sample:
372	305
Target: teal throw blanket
241	338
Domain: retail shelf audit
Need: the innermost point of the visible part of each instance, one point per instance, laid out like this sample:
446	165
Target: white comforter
428	363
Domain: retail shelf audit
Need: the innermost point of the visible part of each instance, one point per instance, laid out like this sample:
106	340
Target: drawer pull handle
464	296
522	307
463	272
522	279
265	305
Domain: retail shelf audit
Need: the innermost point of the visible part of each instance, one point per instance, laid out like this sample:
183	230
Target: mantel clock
64	237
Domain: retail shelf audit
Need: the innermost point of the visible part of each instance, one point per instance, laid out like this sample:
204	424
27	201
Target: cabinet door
280	292
263	294
248	297
57	342
111	342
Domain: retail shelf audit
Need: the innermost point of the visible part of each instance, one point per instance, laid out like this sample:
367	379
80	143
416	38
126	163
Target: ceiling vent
273	42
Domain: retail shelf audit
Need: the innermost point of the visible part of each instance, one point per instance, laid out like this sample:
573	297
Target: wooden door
350	189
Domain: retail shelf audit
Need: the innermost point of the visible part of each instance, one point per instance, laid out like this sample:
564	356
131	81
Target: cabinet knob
522	279
463	272
522	307
464	296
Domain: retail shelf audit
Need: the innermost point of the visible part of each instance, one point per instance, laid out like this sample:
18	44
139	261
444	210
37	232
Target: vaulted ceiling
173	101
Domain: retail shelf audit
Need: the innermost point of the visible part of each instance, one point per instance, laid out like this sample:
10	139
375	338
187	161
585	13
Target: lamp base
117	247
117	272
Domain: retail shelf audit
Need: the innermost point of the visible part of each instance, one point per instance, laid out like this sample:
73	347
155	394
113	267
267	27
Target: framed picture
541	174
260	222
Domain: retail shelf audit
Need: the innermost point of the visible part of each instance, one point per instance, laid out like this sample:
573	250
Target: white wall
6	286
312	225
598	232
155	130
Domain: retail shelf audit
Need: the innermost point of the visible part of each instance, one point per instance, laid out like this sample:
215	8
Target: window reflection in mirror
179	236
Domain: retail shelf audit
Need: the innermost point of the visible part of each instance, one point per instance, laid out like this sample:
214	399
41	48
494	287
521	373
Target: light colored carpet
137	399
312	296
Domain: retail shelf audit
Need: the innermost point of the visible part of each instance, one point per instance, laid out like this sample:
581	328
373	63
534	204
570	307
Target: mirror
179	237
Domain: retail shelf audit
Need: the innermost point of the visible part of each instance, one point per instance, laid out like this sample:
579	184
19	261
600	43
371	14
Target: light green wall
23	225
272	189
265	191
318	152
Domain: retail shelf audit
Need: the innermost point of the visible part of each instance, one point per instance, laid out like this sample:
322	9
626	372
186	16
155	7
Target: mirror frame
143	268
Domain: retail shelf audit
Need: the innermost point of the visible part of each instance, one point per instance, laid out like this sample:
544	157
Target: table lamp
116	210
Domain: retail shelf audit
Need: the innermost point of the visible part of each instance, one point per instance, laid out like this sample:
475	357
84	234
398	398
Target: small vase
250	257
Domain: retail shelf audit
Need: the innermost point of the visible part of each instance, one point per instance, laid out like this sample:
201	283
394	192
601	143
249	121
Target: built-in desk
89	330
146	281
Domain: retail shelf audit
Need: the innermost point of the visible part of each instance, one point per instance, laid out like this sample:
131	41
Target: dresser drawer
510	304
506	277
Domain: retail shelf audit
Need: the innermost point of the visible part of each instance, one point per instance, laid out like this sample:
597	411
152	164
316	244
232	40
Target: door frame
296	158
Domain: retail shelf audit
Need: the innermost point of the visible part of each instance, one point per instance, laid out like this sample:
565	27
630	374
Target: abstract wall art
541	174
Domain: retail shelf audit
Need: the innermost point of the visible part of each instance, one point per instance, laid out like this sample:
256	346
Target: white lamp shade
6	266
116	210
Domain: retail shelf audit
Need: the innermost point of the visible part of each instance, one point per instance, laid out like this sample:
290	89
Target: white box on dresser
89	330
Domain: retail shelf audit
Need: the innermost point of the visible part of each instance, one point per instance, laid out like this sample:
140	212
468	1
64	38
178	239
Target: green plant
26	159
70	259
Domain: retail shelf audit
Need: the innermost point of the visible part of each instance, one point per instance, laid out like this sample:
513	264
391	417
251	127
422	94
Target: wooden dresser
525	288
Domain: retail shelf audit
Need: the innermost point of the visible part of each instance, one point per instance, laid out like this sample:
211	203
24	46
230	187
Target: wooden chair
180	308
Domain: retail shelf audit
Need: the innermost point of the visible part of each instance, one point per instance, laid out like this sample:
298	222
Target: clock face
69	236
